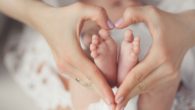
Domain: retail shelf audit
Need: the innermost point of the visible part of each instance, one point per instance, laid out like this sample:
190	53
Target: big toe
94	46
105	35
95	39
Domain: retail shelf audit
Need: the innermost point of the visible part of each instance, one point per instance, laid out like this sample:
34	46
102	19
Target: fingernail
118	22
119	100
110	24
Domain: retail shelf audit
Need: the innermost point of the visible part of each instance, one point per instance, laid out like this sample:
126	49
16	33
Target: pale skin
64	34
153	100
166	40
103	50
169	31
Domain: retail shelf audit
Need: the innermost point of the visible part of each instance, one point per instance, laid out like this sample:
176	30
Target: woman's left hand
172	36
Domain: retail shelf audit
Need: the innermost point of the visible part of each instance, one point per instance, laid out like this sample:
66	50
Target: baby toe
136	45
93	47
94	54
128	36
133	57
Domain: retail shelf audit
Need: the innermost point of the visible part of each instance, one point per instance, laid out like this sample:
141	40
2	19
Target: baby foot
128	56
104	52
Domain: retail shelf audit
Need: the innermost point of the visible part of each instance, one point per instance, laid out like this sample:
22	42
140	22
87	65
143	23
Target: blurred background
12	97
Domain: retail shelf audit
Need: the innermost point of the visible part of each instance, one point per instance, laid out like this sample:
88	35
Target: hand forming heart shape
156	77
159	68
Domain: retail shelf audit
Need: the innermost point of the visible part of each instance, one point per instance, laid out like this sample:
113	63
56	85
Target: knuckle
153	12
128	12
152	9
63	66
138	77
100	10
141	87
99	13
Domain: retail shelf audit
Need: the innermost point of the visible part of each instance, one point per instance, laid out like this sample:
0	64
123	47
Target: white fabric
30	62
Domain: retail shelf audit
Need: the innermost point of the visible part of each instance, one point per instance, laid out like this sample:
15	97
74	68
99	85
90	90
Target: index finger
132	15
96	14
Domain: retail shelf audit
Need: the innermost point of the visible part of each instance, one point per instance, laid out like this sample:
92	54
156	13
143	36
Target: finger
97	14
135	76
132	15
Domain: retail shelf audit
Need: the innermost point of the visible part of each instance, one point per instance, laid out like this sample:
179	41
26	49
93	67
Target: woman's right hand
61	28
159	72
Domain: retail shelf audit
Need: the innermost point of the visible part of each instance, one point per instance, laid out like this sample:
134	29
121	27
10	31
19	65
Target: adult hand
172	36
61	28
